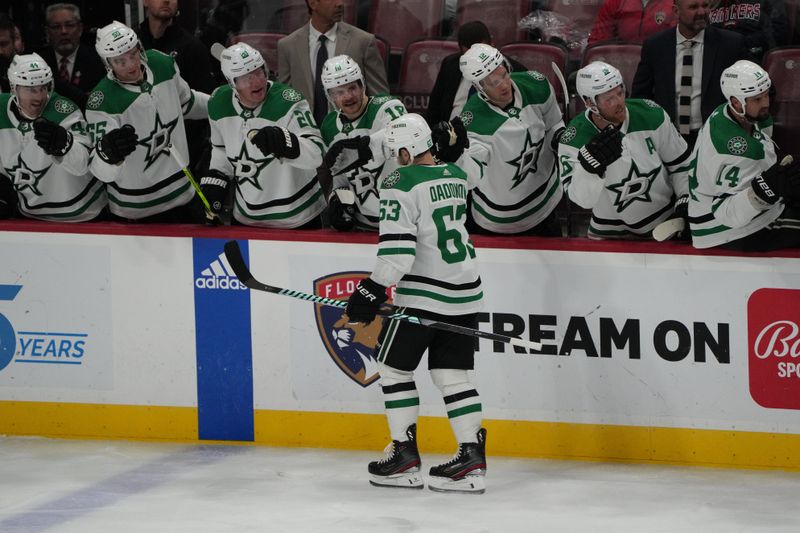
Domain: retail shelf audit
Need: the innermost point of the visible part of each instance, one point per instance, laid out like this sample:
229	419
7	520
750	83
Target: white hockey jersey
270	192
48	187
423	245
726	159
150	180
509	160
363	180
636	192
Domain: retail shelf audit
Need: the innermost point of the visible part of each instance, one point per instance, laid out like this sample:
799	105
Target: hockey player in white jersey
265	144
512	124
622	158
353	134
135	117
741	197
424	248
44	150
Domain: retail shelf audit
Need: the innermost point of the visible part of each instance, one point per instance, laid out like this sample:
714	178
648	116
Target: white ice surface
117	487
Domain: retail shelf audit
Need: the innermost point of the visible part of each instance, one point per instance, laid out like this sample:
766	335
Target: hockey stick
210	215
236	261
563	83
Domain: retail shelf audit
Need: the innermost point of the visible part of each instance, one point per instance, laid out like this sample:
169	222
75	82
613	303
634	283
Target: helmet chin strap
22	112
743	115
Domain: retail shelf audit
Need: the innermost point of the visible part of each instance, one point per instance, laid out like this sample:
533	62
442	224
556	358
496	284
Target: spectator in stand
762	23
303	53
77	68
7	29
19	43
451	90
680	68
161	31
631	20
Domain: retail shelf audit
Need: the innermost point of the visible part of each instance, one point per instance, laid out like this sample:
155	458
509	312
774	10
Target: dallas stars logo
527	160
248	169
158	141
634	187
24	177
363	180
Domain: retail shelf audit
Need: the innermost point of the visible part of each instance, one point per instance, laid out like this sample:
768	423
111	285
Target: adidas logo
218	275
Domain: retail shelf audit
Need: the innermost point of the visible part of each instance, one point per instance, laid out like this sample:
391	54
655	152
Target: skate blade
406	480
471	484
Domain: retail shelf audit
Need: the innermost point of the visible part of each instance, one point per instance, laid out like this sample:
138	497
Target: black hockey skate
465	472
400	468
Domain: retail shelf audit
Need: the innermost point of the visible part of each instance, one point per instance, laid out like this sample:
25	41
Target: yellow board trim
557	440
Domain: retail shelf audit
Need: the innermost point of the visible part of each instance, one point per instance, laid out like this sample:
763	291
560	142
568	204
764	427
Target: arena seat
266	43
539	56
420	66
294	14
402	21
500	16
783	66
580	14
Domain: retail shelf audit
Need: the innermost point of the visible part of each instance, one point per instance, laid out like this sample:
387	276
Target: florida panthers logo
351	346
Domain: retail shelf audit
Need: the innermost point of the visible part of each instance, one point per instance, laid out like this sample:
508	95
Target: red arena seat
624	56
500	16
783	66
421	62
402	21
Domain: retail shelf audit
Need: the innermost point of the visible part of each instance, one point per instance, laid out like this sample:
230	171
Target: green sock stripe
476	407
408	402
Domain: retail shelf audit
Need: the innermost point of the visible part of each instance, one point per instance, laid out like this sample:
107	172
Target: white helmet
29	70
340	70
743	79
410	132
480	61
595	79
240	59
114	40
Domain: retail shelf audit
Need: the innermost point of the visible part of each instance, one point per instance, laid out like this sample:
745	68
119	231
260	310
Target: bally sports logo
351	346
773	322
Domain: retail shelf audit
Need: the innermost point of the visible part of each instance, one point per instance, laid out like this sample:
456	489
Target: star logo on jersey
363	180
634	187
527	160
248	169
158	141
347	127
737	145
24	177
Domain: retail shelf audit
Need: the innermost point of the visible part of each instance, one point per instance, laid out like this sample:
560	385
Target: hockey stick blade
668	229
235	259
216	50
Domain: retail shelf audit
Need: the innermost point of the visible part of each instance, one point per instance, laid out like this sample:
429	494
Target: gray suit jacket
294	67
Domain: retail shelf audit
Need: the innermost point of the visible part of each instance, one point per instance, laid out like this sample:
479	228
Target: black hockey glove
277	141
8	198
117	144
214	187
342	209
781	180
53	138
363	304
359	143
602	150
449	140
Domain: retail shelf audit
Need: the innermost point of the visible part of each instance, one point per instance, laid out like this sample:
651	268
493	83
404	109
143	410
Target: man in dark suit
451	91
680	68
76	68
302	54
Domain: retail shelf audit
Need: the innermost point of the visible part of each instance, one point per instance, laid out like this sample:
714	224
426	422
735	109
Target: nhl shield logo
351	346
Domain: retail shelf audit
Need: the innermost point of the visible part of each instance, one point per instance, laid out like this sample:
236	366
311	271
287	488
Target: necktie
685	96
63	69
320	101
